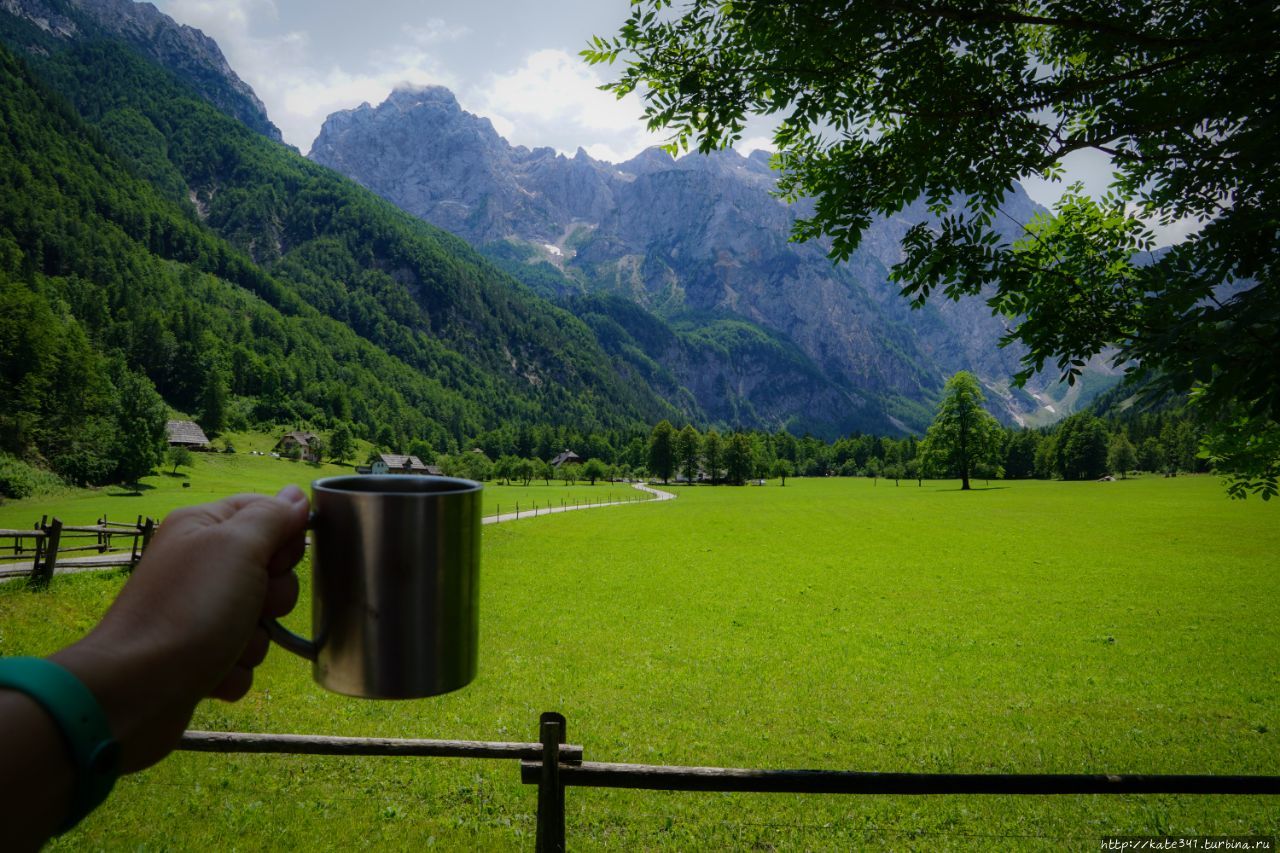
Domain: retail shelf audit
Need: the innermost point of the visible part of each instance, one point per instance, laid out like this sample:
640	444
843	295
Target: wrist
81	725
130	692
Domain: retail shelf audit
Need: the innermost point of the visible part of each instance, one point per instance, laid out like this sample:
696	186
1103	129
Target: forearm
35	773
185	626
141	703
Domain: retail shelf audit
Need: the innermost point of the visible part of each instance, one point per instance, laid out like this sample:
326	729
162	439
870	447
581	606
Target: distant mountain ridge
698	242
188	53
172	242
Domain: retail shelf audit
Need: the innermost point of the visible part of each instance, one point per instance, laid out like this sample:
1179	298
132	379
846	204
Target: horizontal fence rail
553	765
593	774
197	741
106	544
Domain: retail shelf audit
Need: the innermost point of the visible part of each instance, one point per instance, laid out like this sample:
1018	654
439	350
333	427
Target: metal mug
395	586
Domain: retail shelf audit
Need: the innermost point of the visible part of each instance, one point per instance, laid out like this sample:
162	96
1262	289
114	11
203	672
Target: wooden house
303	442
186	434
394	463
568	457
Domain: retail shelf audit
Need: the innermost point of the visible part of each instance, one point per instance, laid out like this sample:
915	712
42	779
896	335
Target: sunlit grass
1038	627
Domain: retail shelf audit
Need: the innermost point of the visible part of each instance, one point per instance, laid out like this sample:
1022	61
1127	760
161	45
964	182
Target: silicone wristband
95	755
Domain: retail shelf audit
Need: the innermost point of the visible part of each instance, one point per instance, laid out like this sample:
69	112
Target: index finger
266	526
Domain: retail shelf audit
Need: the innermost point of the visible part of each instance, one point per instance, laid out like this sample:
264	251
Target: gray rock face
191	55
696	241
421	151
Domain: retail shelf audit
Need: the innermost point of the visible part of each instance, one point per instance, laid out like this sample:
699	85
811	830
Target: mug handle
286	639
282	636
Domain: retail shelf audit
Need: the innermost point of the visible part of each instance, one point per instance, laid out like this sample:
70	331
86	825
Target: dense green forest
146	239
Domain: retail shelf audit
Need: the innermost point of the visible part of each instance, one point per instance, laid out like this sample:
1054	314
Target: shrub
15	478
19	479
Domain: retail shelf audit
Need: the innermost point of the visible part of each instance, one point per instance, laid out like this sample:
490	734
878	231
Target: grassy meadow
218	475
1029	627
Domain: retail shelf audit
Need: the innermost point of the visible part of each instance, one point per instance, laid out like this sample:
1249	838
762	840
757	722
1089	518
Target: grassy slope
1042	627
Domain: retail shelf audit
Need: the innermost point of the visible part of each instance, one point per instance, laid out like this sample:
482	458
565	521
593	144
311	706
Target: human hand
187	623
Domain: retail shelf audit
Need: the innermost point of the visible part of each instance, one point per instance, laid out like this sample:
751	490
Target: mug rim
435	486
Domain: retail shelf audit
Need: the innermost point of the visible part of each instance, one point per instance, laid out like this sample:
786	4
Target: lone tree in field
883	104
592	470
963	433
180	457
662	451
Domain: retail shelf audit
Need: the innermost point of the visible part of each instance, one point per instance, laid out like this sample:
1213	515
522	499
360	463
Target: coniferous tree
739	458
341	443
713	454
213	402
662	453
688	452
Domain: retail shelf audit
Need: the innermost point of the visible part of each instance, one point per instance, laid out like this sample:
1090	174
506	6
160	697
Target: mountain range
750	326
598	296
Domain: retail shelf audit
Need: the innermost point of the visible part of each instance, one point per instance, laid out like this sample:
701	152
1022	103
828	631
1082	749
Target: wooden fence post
42	571
145	532
550	834
103	540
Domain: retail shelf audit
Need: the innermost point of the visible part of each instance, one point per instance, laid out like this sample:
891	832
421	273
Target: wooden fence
552	765
39	552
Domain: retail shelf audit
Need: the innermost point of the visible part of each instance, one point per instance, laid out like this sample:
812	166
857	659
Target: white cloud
554	99
218	15
607	153
300	90
756	143
306	97
434	31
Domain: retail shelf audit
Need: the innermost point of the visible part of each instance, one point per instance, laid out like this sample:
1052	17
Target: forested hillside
150	237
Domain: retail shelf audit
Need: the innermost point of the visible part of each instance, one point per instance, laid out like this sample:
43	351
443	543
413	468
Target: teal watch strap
95	755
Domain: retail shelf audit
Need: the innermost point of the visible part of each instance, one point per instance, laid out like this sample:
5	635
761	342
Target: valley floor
1029	627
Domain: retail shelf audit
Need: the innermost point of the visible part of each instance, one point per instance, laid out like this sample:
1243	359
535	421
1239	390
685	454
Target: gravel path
536	511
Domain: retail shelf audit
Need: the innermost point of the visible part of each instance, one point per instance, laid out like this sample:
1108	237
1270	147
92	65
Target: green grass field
1032	627
217	475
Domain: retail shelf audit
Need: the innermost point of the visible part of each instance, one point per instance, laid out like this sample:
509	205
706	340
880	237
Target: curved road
658	495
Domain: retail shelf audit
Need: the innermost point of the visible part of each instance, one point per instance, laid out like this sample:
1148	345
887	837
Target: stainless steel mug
395	586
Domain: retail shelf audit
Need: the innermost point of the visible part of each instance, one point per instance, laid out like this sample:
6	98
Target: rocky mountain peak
701	236
409	96
651	159
185	51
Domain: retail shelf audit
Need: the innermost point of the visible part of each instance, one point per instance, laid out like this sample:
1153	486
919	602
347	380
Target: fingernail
292	494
